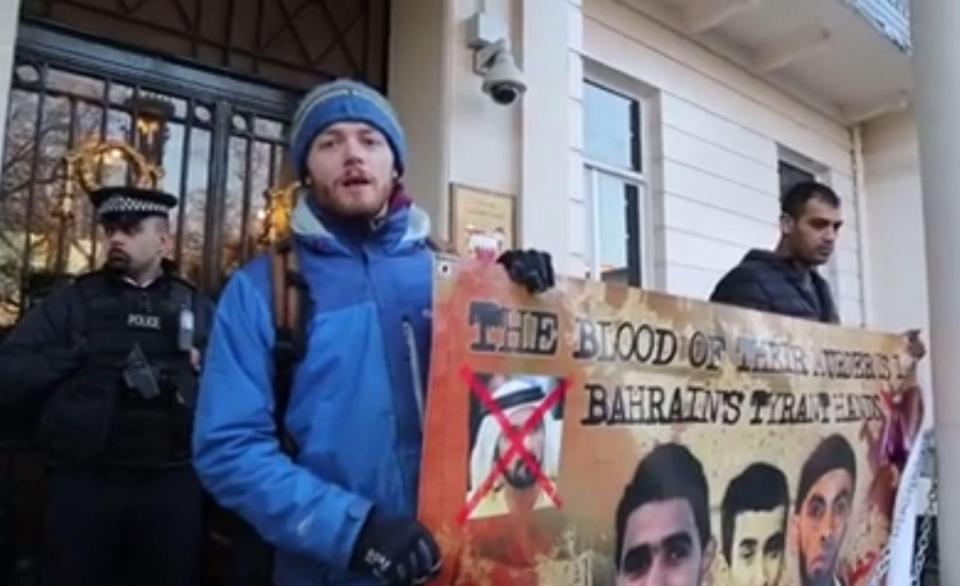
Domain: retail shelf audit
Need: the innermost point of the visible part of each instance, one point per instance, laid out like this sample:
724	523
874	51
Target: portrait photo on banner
513	401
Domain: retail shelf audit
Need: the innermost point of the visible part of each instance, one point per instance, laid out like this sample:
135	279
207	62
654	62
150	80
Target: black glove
397	551
531	268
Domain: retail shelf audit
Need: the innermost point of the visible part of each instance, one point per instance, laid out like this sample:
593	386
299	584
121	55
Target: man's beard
824	578
520	476
118	261
352	210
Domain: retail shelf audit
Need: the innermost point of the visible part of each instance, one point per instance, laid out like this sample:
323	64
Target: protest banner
597	434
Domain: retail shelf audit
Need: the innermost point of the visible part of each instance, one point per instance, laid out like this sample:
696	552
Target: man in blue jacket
342	509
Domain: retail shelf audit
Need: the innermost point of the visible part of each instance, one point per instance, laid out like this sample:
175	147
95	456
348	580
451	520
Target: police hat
132	201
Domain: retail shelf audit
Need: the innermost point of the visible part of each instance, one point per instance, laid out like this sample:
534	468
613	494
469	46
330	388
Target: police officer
114	358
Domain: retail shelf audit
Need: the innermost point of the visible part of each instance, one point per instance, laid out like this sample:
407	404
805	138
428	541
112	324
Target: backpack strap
289	299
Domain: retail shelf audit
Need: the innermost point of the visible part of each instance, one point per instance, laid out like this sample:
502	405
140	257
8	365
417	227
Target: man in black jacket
113	358
785	280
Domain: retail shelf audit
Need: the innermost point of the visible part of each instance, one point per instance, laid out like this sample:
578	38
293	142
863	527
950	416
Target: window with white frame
615	187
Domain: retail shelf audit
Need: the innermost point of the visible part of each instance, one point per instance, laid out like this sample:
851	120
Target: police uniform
111	359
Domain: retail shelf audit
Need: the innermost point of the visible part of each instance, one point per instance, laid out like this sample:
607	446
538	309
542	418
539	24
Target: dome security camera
502	79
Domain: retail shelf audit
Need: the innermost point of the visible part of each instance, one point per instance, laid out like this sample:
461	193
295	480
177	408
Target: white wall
577	218
485	147
418	86
897	255
459	135
456	133
9	12
720	131
894	214
852	253
546	127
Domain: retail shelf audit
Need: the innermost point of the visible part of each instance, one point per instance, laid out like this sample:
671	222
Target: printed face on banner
520	475
515	443
663	522
824	512
754	524
758	551
661	546
597	435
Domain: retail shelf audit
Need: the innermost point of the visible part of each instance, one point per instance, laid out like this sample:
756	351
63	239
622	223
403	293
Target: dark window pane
86	126
18	155
260	175
120	94
74	84
231	250
119	125
82	251
611	128
54	137
268	128
195	202
278	176
173	166
179	108
45	227
791	175
15	191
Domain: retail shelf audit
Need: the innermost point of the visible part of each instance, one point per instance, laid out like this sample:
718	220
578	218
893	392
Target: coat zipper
411	343
417	387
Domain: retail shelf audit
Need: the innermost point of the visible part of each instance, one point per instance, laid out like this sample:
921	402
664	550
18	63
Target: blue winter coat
353	411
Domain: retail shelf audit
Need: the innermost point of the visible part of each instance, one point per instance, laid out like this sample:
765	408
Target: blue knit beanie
344	101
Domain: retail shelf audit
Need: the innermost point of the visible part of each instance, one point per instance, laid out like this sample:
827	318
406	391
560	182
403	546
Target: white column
545	199
936	46
9	13
421	34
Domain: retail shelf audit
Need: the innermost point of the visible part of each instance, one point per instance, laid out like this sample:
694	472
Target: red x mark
516	440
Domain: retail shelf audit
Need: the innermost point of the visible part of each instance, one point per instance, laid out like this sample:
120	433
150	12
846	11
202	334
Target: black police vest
140	430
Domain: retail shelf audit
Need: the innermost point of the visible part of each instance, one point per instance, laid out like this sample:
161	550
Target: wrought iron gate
220	142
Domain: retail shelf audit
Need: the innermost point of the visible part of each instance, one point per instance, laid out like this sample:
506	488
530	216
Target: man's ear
787	224
709	552
166	237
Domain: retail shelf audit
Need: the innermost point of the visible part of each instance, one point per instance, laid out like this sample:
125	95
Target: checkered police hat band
122	204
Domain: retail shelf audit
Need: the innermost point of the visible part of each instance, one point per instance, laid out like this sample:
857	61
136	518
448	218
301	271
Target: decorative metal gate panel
295	43
220	143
